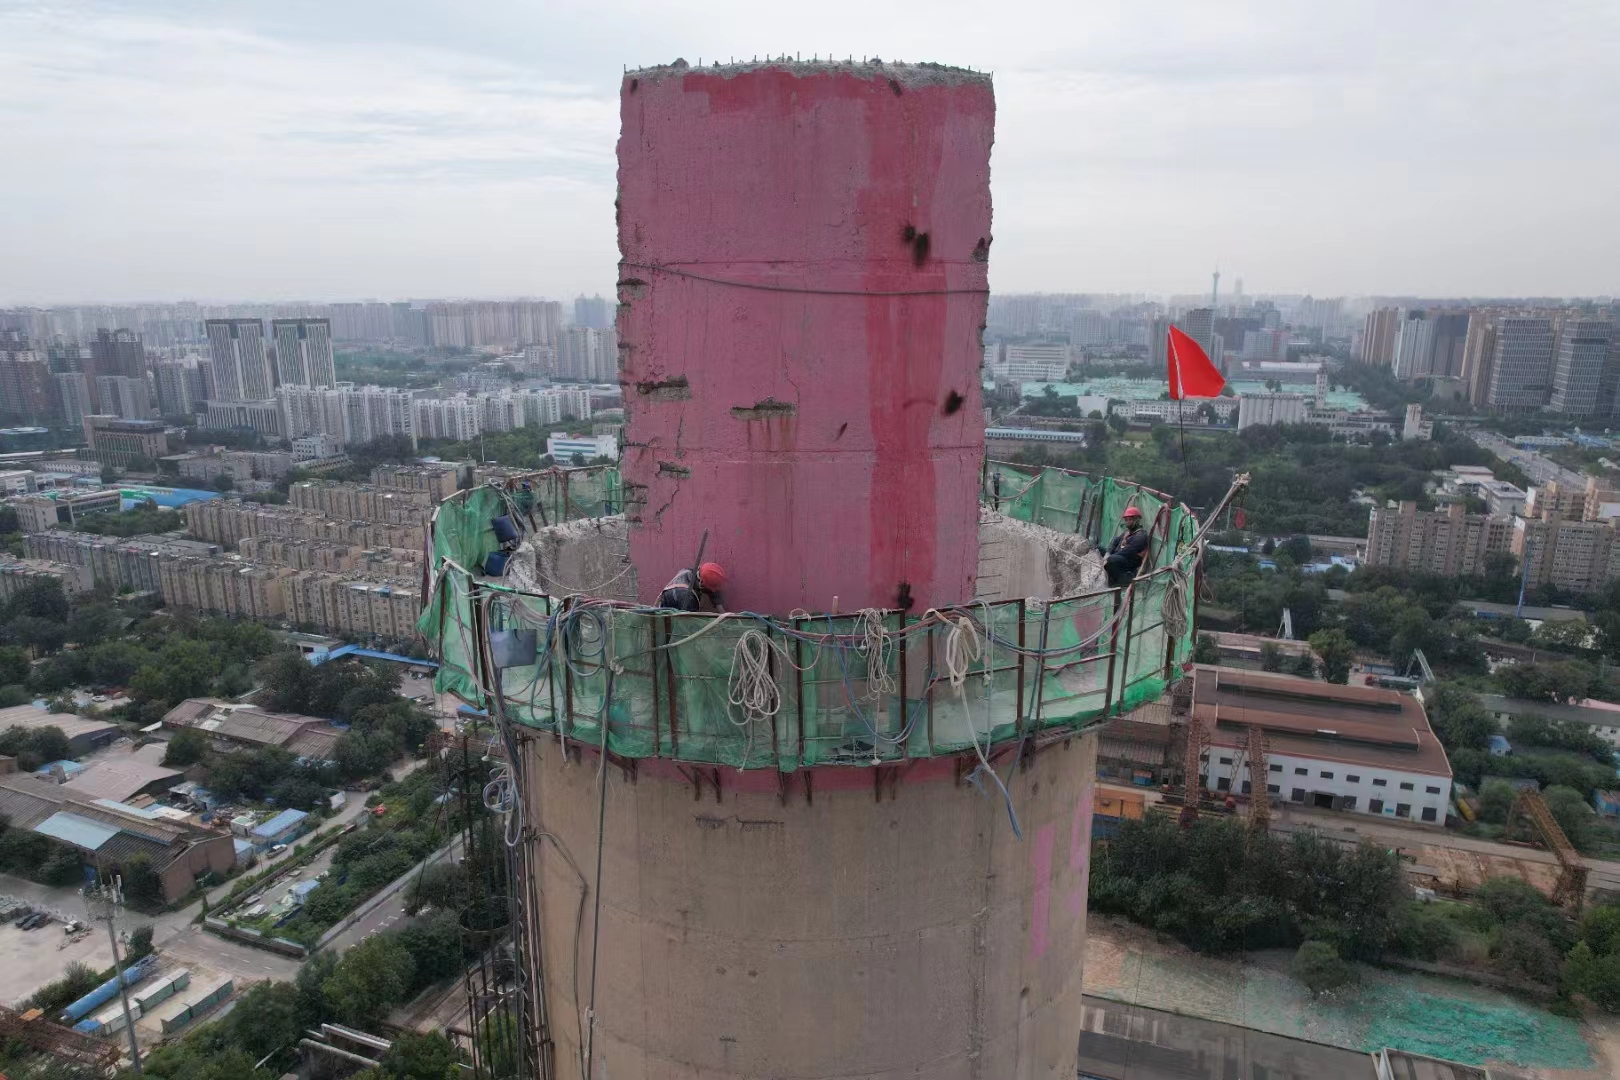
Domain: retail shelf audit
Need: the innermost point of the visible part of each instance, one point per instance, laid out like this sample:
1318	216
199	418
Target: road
1537	466
389	912
1129	1042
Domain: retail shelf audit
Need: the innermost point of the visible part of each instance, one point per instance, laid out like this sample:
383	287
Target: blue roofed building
284	828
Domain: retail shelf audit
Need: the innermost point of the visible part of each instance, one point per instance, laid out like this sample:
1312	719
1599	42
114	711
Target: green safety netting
662	682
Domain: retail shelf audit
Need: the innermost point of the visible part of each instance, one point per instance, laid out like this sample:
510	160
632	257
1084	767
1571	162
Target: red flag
1191	373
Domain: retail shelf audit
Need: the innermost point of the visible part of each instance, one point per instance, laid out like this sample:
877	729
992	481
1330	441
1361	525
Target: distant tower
1215	292
304	352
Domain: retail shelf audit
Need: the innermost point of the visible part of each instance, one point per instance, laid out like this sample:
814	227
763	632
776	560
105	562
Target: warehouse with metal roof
1353	748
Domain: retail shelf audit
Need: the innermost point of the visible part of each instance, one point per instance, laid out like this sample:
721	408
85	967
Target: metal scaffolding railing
753	691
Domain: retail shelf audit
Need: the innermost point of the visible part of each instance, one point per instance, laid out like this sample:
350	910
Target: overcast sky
345	149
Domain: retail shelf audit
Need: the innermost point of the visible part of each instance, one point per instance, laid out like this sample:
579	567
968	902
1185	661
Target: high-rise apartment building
176	383
588	355
304	352
1414	347
73	401
1450	342
241	368
25	387
1478	351
1583	353
347	415
118	352
459	418
124	397
1521	367
1573	556
1378	336
1449	541
502	322
592	312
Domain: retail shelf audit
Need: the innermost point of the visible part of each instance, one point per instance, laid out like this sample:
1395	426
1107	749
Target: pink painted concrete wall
828	437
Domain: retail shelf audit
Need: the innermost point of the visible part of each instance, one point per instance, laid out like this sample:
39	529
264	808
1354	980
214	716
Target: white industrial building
1352	748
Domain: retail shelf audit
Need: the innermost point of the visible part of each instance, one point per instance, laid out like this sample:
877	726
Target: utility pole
105	902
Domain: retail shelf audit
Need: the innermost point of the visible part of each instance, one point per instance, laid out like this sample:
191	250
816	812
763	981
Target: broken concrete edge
904	75
764	410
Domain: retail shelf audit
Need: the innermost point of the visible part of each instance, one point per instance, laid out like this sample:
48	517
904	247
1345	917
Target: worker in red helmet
1127	550
695	590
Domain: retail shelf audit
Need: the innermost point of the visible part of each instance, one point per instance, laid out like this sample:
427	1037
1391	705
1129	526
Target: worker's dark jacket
683	593
1125	554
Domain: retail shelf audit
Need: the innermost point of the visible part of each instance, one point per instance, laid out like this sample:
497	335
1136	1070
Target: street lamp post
104	903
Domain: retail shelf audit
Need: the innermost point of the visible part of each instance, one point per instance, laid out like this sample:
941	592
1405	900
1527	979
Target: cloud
419	148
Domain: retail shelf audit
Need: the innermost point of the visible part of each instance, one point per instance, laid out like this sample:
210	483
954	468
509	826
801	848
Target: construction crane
1571	886
1420	662
1190	787
1259	772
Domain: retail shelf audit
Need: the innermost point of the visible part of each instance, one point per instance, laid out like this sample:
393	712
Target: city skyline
432	151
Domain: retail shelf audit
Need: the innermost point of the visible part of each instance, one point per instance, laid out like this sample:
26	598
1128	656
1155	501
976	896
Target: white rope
1173	609
752	687
878	648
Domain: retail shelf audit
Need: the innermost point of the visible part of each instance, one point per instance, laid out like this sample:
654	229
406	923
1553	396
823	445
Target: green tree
421	1057
1303	665
186	747
1595	976
1271	657
434	943
1205	651
14	665
1573	814
1336	651
1524	950
142	886
140	943
1495	800
1600	928
271	1016
1318	966
372	977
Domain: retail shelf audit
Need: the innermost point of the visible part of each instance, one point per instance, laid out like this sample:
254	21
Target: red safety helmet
712	576
1132	513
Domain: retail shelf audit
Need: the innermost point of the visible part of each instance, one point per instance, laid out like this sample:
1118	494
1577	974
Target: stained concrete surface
1131	1042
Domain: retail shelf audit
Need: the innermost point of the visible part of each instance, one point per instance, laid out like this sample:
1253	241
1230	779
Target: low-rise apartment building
352	605
331	557
18	574
362	502
227	521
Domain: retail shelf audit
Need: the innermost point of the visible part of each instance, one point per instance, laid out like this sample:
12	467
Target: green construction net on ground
752	691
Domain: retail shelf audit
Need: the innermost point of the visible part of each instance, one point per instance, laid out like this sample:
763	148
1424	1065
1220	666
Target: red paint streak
1040	911
905	348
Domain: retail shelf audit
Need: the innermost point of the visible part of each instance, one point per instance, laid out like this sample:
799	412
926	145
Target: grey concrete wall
838	938
1017	559
589	556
